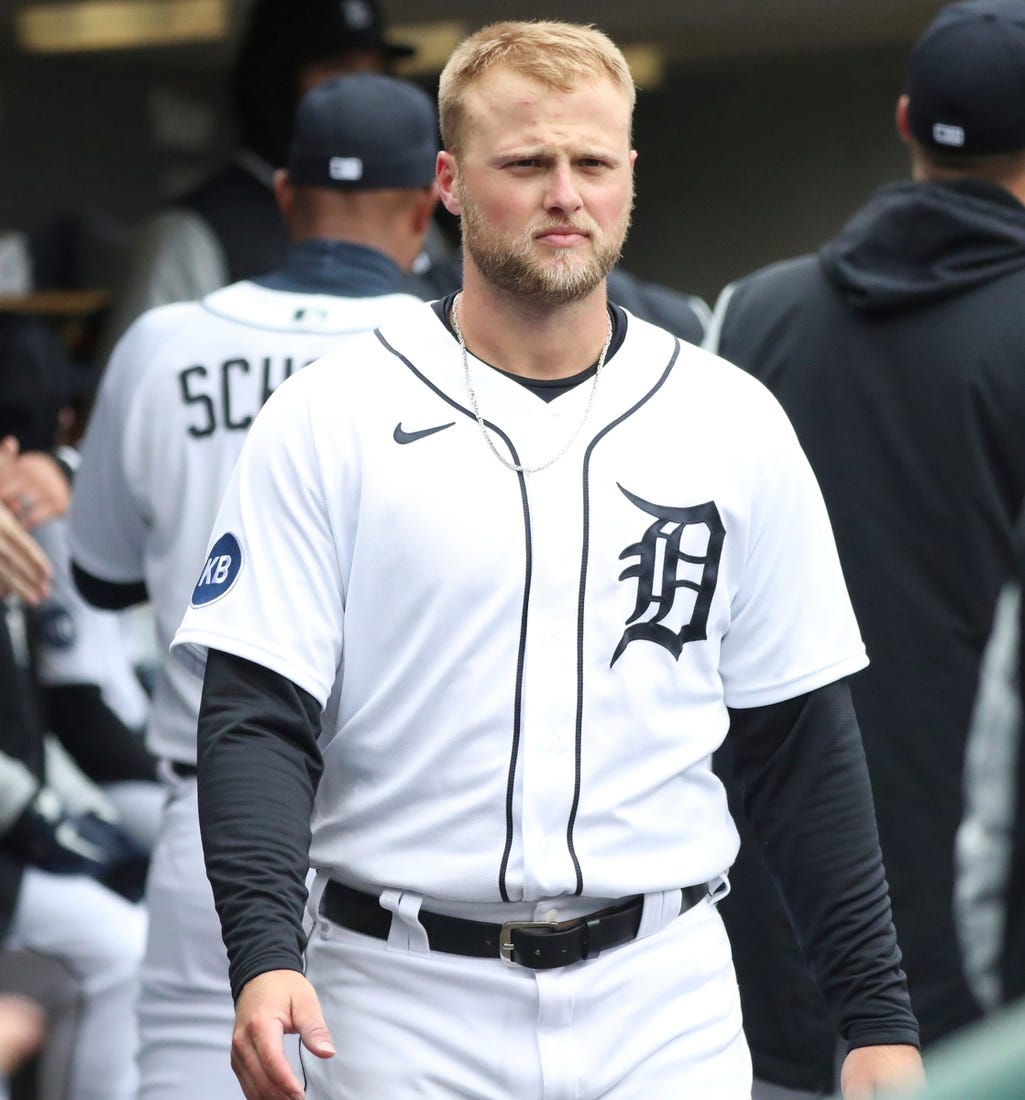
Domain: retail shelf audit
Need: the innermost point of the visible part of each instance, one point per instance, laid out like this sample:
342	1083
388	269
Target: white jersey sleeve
273	523
107	524
791	628
181	391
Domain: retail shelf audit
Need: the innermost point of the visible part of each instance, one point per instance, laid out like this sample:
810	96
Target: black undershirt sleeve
101	744
801	768
107	595
259	765
799	763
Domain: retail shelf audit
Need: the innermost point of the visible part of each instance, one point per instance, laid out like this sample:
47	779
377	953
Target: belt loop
407	933
718	888
659	909
590	928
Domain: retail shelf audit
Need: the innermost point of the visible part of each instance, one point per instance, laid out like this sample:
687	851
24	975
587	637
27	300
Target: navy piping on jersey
521	652
442	309
580	606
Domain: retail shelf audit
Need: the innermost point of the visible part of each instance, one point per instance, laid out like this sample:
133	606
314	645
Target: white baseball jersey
181	389
77	643
525	676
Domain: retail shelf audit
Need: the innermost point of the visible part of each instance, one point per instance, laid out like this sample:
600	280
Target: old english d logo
659	558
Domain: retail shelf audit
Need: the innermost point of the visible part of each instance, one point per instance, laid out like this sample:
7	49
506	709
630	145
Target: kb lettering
220	571
216	571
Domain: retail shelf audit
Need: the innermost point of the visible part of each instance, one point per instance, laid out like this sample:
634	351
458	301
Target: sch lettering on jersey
220	572
680	550
227	397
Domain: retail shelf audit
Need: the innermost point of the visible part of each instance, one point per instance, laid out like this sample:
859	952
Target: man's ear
284	193
901	119
448	173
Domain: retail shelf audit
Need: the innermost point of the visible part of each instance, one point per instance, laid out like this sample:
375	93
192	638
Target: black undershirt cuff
107	595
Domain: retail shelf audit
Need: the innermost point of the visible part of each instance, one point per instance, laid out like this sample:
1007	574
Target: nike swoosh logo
401	436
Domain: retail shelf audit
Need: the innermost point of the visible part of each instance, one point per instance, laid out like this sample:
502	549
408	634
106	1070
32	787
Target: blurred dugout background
760	125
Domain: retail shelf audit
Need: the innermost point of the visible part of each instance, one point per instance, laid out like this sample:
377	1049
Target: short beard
511	265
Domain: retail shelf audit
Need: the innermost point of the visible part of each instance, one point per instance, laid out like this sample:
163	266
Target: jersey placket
548	773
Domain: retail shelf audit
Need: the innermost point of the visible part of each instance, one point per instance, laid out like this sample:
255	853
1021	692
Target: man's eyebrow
525	152
543	152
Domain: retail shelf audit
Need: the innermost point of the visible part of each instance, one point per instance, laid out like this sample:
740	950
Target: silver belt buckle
505	941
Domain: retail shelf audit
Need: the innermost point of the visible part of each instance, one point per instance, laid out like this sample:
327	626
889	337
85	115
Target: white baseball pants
97	937
658	1017
186	1014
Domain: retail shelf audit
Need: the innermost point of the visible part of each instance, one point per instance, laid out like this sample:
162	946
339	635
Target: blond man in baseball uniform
479	608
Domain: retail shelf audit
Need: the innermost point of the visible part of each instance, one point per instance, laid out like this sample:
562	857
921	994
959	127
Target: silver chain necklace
476	406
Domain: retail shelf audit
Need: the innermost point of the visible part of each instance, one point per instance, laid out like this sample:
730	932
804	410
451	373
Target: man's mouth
562	236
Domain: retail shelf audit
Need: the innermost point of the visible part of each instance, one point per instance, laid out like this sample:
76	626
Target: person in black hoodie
898	352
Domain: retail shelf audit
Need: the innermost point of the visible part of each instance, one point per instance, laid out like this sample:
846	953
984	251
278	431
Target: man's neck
925	171
533	341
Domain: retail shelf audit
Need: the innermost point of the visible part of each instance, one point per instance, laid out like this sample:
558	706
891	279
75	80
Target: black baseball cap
308	30
364	131
37	378
966	78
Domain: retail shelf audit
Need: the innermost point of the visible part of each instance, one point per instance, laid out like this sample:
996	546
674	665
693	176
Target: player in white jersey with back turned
182	388
483	599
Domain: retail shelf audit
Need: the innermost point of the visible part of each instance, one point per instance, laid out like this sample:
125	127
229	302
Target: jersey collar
335	267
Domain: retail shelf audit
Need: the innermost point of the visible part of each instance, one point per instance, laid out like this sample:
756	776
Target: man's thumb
309	1022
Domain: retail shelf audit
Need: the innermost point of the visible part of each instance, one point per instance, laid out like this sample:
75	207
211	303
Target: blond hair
559	55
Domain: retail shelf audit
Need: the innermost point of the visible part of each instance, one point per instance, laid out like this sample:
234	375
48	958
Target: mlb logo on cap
943	134
346	168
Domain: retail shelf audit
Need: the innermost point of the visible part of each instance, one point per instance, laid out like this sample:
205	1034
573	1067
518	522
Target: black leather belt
538	945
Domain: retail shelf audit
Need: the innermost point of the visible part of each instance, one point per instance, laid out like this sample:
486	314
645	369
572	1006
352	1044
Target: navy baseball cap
364	131
966	78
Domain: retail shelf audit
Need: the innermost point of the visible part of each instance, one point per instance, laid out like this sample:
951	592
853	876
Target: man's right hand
24	569
271	1006
32	484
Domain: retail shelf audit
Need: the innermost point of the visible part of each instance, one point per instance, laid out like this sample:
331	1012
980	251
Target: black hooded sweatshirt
899	354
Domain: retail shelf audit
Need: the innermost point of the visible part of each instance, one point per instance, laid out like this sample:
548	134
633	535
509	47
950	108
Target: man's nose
563	193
